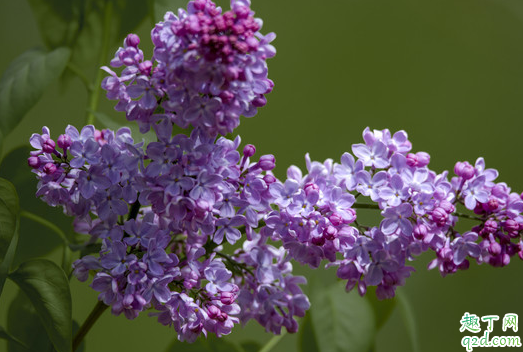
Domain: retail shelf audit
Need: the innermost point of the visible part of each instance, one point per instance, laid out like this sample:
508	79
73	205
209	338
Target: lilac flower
397	217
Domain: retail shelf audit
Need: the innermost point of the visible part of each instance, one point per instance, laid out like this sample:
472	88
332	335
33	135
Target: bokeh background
449	72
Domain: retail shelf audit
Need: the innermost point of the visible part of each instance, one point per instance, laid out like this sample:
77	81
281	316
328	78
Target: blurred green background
449	72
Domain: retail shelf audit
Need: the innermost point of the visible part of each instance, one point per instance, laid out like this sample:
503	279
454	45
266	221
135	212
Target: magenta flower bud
464	170
34	162
48	146
145	67
214	312
311	187
222	317
249	150
494	248
64	141
412	160
511	227
226	96
269	179
492	204
423	159
491	226
464	265
420	231
447	206
330	233
49	168
439	216
318	241
267	162
227	298
132	40
259	101
335	219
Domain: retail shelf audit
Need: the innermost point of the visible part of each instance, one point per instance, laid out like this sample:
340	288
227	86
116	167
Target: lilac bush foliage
203	235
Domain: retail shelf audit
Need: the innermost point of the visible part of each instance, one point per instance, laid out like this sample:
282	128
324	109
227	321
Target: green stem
106	36
89	322
273	342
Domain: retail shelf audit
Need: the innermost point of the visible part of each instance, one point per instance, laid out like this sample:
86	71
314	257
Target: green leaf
9	209
202	344
54	18
382	309
35	240
307	340
342	321
24	82
24	325
7	336
47	287
162	6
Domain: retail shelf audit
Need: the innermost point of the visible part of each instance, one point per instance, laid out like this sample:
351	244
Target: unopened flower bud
34	162
132	40
267	162
249	150
64	141
49	168
423	159
330	233
48	146
439	216
464	170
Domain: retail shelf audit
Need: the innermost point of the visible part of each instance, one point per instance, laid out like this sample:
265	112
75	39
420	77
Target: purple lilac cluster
208	68
185	197
316	216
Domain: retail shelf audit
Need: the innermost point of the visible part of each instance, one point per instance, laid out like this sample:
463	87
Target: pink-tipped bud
412	160
420	231
330	233
49	168
249	150
34	162
423	159
132	40
145	67
267	162
48	146
311	187
464	170
269	179
64	141
447	206
439	216
335	219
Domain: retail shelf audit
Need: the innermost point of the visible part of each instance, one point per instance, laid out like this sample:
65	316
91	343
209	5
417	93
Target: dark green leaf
54	18
202	344
7	336
47	287
306	339
24	325
35	240
9	209
162	6
382	309
24	82
342	321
